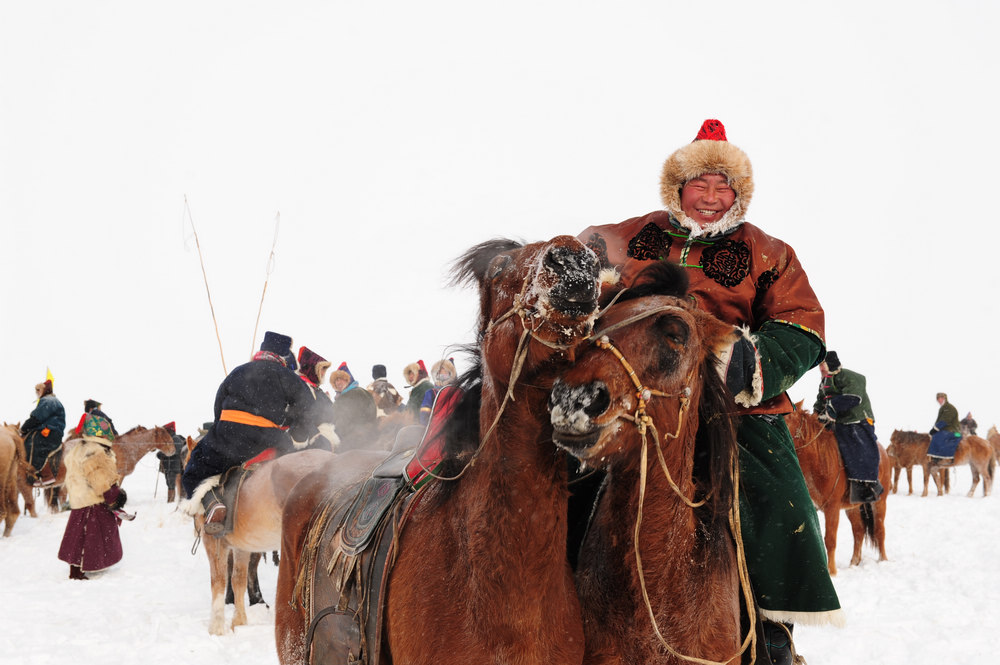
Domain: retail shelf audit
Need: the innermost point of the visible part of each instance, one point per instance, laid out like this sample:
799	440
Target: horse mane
137	428
471	266
461	430
715	445
663	278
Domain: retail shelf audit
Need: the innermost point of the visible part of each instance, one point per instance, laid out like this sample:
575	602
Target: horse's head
540	297
650	372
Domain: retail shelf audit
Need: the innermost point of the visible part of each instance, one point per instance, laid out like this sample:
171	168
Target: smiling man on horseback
748	278
261	405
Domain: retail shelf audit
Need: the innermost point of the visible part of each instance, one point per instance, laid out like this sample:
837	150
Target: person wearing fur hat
946	433
387	398
43	432
354	412
262	404
91	542
750	279
842	402
312	370
443	372
419	404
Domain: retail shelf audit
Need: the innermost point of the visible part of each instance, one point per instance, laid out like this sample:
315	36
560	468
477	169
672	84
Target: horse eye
674	330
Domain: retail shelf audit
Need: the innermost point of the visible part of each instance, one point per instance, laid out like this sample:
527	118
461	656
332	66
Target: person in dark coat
946	433
843	403
91	541
387	398
43	432
262	404
354	412
312	370
172	465
968	425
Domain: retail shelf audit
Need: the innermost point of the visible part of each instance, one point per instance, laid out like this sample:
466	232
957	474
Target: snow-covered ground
937	600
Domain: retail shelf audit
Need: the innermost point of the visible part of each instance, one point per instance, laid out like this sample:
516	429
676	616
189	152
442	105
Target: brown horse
826	478
11	462
23	486
657	572
480	572
906	450
977	453
129	448
994	438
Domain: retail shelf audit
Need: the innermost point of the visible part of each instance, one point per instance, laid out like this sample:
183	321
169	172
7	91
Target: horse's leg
909	479
831	517
858	530
927	476
241	560
217	553
975	481
253	582
895	478
878	509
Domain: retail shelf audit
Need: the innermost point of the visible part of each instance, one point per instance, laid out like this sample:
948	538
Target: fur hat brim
696	159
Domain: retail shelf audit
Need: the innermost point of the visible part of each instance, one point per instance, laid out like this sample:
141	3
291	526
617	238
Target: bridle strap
644	421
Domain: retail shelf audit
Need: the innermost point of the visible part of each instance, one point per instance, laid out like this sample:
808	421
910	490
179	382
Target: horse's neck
514	492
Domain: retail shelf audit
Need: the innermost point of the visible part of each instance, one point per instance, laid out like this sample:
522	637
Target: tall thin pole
268	270
204	275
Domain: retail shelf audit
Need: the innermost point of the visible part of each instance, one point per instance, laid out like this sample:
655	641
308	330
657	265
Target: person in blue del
42	432
945	434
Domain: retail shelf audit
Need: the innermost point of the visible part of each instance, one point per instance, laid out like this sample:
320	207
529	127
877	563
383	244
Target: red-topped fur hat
710	152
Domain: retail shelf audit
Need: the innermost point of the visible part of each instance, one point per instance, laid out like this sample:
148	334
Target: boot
45	477
777	648
215	518
865	491
76	573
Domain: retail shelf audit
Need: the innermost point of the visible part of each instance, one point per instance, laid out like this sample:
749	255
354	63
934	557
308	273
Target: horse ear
718	335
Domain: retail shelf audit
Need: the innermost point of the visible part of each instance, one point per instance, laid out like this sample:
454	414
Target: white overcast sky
387	137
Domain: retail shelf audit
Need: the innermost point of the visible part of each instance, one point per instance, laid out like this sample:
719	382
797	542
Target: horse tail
868	521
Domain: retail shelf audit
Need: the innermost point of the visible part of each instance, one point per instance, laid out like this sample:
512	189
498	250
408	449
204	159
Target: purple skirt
91	540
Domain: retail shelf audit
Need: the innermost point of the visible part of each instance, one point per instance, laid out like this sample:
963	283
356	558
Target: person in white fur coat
91	541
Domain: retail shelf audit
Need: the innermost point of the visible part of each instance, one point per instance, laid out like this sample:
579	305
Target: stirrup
215	520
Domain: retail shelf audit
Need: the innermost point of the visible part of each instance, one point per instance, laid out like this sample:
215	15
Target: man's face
339	384
707	198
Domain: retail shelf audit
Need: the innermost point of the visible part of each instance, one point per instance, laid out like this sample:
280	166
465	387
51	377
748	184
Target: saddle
355	531
227	492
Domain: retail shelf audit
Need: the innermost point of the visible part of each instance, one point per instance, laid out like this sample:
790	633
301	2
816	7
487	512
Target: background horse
906	450
480	572
24	488
994	438
11	461
977	453
657	572
129	448
826	478
256	528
